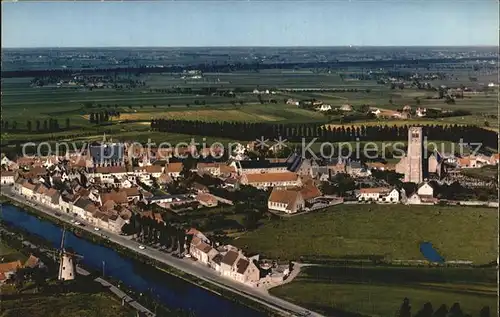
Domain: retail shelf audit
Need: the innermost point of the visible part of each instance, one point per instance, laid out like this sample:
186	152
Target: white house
154	170
494	159
379	194
227	262
346	107
50	161
7	177
174	169
468	162
80	206
424	195
27	189
5	161
324	107
236	266
66	203
95	196
52	198
416	199
287	201
202	251
421	112
109	172
64	176
74	175
424	189
266	180
246	271
115	223
125	183
391	197
196	233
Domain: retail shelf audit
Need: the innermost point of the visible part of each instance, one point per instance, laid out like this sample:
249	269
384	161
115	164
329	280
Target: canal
171	291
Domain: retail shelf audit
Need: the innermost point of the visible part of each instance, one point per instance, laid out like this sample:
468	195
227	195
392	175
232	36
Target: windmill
67	267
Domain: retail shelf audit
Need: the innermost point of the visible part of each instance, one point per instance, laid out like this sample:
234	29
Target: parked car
96	229
142	247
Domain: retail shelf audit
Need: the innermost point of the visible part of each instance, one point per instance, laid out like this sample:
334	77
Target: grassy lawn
379	291
4	249
8	254
486	172
21	103
245	113
136	132
69	305
391	231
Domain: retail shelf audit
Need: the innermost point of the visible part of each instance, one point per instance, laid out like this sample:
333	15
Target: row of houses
290	200
105	210
231	263
422	194
8	269
228	261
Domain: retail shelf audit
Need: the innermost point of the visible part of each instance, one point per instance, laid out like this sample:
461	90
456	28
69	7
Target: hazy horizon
258	46
340	23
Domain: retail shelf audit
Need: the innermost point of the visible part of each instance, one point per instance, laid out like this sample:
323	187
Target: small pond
430	253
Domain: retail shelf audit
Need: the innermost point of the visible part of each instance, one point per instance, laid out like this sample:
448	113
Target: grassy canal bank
143	260
31	296
14	238
366	258
388	233
380	290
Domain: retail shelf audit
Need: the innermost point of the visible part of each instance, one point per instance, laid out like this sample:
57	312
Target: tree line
295	132
47	125
102	117
214	68
427	310
171	235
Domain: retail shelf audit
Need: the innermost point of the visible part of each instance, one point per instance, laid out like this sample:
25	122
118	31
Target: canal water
173	292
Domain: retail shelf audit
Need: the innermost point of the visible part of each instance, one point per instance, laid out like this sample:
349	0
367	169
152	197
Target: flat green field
69	305
390	231
381	97
8	254
21	102
486	172
379	291
246	113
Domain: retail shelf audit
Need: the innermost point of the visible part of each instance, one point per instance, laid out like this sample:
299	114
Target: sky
250	23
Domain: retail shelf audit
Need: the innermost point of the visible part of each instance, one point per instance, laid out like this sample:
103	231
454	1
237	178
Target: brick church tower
414	156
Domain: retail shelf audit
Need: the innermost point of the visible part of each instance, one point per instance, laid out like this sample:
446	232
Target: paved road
260	296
